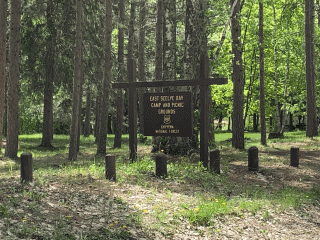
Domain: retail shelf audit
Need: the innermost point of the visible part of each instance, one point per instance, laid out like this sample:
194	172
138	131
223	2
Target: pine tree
238	81
13	84
3	30
47	129
262	97
73	145
104	105
310	70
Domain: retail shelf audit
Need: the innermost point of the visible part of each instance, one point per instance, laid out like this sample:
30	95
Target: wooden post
132	110
294	157
26	167
110	166
204	112
215	161
253	159
161	164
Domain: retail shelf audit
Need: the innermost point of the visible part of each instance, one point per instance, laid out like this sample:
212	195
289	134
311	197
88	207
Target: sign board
168	114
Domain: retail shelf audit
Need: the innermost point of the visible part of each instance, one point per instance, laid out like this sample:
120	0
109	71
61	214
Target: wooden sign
168	114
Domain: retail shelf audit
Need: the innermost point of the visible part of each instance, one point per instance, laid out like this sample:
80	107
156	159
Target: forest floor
79	203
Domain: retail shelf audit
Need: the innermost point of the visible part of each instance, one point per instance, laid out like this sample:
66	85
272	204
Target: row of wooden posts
161	161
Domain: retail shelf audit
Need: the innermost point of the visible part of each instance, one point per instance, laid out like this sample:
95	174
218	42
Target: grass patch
189	192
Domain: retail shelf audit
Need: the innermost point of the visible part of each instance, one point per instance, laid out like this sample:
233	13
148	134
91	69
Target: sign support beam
204	112
204	82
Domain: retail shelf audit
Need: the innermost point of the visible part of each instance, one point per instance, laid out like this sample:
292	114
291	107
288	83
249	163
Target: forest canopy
48	41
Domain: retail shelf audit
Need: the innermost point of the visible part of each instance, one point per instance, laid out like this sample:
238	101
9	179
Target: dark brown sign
168	114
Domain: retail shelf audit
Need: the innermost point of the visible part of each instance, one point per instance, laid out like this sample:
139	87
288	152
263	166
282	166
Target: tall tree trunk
3	30
191	60
99	76
97	117
13	84
119	104
87	124
47	128
159	41
262	97
132	39
80	126
102	139
203	44
169	40
141	64
73	144
310	70
238	82
275	60
159	56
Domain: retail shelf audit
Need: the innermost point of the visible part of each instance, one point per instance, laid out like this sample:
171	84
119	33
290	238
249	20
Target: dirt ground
91	204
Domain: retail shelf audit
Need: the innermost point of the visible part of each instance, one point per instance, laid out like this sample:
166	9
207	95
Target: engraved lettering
178	104
174	131
179	98
154	98
166	111
167	98
167	126
166	104
161	131
156	105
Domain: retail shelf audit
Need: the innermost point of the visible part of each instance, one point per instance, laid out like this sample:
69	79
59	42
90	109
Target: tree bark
263	138
276	81
3	30
119	97
159	41
102	139
132	40
13	84
238	81
97	120
310	70
80	125
87	124
141	64
73	144
159	56
47	127
192	57
169	40
99	76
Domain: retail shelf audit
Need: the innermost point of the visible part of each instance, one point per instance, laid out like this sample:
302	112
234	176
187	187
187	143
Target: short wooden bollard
215	161
294	157
253	159
161	164
26	167
111	167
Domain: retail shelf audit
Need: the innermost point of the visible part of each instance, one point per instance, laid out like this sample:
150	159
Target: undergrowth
211	196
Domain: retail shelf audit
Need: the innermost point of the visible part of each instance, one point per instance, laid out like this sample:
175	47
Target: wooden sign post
204	82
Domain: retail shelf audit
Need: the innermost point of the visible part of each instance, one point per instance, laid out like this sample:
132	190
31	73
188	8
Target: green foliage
206	212
35	35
